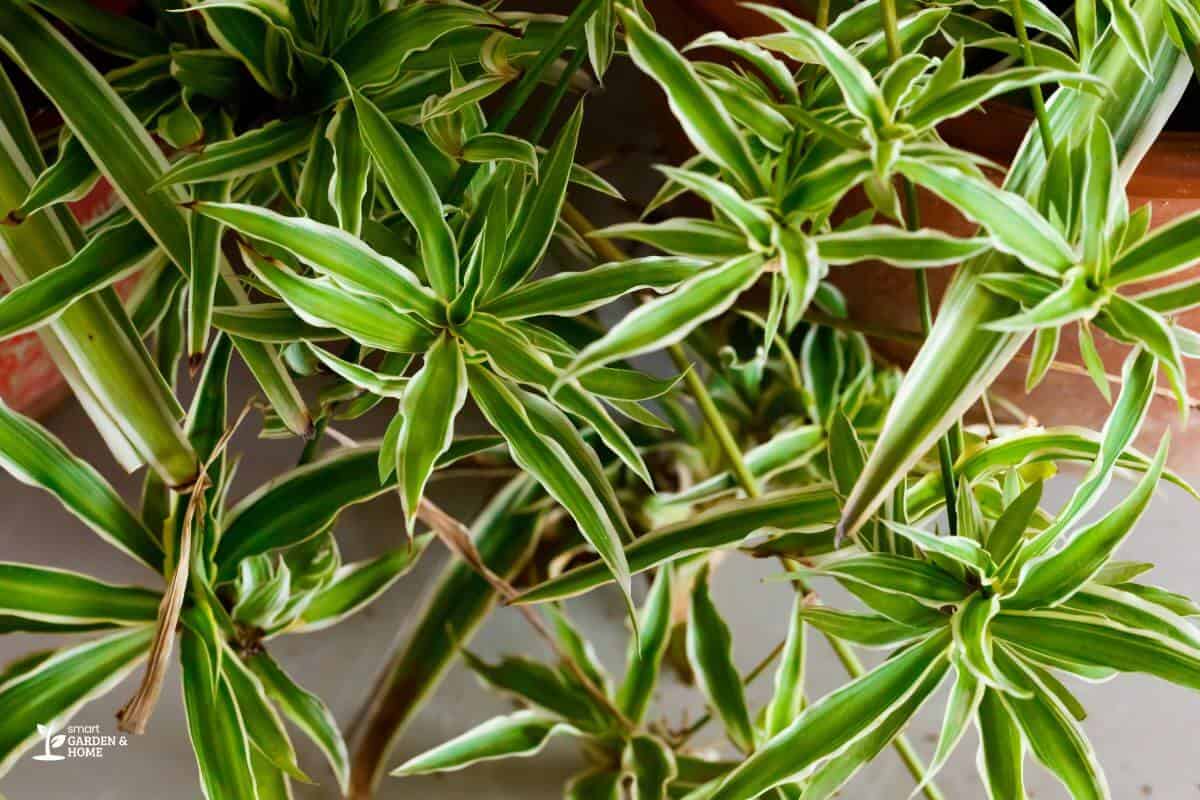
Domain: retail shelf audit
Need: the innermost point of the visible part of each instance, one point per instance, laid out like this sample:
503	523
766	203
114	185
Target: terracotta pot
1168	179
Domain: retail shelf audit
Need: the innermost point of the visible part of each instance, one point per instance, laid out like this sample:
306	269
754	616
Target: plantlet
372	202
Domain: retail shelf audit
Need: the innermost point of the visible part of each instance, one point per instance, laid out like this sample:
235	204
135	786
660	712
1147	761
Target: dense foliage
336	192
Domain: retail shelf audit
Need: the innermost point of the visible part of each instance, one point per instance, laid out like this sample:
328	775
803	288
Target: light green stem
1035	91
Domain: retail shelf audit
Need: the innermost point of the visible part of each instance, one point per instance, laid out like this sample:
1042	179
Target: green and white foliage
364	200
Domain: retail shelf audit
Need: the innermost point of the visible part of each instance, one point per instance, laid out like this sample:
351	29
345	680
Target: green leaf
803	269
862	95
962	705
546	460
351	169
1075	301
540	209
433	399
270	322
1054	737
58	596
811	510
710	653
1122	425
1161	253
846	454
960	358
666	320
464	97
550	422
264	728
594	786
835	771
205	268
113	254
35	457
252	152
823	186
113	136
867	630
70	177
1129	29
682	236
787	700
910	577
522	734
537	684
1001	749
770	67
960	549
1153	332
306	711
515	358
376	53
1099	642
120	35
365	379
964	95
973	643
754	221
320	303
646	650
600	31
572	293
1008	532
1015	226
704	119
1049	580
652	764
354	586
414	194
488	147
898	247
1091	360
333	252
215	726
1135	611
837	720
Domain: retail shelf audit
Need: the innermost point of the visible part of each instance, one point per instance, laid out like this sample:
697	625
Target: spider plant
373	202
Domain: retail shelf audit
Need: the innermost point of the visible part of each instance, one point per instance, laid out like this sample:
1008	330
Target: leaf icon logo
50	741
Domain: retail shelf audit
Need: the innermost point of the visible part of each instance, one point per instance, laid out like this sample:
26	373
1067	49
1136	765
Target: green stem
823	14
1035	91
524	88
715	422
560	91
891	29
